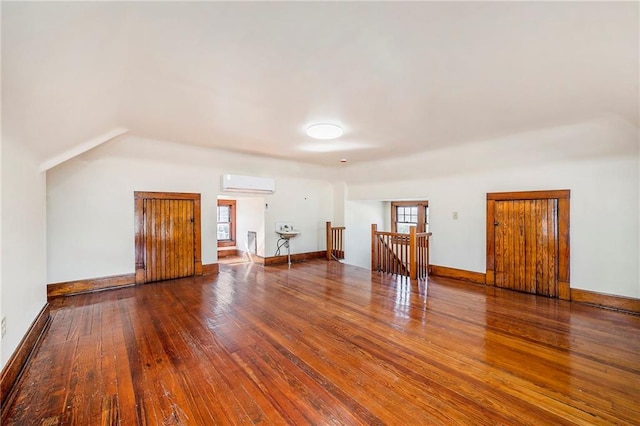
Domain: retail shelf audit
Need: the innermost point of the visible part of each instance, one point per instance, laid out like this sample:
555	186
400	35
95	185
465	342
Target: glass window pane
407	215
223	214
224	231
426	227
403	228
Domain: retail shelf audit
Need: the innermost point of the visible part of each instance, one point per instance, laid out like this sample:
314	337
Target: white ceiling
401	78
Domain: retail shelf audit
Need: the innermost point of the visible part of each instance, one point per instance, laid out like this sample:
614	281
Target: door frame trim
139	197
563	196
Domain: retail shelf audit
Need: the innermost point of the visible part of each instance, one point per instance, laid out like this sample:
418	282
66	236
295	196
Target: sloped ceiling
401	78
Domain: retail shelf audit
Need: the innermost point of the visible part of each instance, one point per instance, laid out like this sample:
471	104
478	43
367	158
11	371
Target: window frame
232	222
422	206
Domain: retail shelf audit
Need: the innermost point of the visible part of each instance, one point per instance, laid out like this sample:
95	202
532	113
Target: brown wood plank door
526	245
168	239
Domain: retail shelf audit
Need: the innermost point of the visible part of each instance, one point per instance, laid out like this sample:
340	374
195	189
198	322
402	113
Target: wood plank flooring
325	343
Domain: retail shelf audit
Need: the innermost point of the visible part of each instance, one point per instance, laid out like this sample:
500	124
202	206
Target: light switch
455	215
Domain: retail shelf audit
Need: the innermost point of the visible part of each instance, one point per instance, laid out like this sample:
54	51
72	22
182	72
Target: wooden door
528	241
526	245
168	229
167	236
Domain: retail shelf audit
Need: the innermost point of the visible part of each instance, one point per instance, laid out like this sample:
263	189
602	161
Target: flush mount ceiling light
324	131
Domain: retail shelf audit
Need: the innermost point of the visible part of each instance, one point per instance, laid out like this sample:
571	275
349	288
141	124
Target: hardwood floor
234	260
325	343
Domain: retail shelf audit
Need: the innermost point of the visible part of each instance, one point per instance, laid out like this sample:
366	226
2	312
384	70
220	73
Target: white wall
359	215
250	216
23	243
309	205
90	215
339	198
597	161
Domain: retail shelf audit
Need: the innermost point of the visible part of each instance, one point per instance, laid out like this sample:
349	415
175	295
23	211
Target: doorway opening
240	229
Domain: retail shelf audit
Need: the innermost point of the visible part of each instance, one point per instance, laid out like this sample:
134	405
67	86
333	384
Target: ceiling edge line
81	149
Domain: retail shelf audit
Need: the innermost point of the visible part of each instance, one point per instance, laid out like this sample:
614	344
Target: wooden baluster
385	247
334	240
402	246
425	239
391	248
422	263
418	257
399	257
398	253
428	248
409	254
405	257
394	259
380	253
336	243
426	254
418	262
386	254
395	241
412	253
392	262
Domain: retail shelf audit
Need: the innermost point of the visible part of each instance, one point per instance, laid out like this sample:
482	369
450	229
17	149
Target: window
226	223
407	214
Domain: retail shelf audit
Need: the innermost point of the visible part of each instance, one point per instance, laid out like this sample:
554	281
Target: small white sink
287	234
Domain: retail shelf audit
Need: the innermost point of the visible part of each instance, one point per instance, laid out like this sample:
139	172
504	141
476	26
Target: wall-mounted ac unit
236	183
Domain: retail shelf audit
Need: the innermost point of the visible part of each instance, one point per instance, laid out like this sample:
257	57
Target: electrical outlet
4	326
455	215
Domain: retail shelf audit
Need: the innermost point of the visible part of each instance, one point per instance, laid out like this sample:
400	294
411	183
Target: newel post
329	241
374	229
413	254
